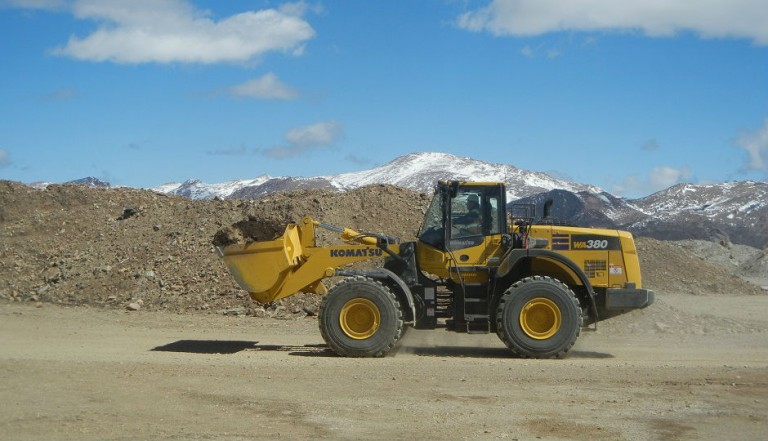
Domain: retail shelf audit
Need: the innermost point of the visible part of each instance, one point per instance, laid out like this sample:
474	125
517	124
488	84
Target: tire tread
509	294
347	352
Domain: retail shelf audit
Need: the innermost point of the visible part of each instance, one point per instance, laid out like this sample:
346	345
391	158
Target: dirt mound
670	267
114	247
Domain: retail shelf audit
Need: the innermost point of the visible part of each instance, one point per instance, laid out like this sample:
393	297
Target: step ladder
476	315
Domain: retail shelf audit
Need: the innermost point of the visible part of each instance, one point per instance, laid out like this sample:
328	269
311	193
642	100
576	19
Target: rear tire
539	317
360	317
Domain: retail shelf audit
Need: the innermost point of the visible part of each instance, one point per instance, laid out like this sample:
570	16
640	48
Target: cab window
466	214
476	212
432	231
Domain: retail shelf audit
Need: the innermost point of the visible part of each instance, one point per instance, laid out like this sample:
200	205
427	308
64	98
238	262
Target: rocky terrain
164	345
734	212
123	247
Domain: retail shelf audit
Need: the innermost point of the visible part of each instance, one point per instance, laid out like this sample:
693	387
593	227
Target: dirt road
92	374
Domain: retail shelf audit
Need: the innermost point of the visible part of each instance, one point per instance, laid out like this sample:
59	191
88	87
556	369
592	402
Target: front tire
360	317
539	317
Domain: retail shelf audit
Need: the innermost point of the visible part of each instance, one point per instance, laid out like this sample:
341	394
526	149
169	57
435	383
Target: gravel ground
118	322
98	374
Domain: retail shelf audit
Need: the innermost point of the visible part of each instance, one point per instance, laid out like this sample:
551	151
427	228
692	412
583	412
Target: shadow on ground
483	352
322	350
235	346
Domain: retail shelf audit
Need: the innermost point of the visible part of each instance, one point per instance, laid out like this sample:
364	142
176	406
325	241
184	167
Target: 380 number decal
589	242
600	244
597	244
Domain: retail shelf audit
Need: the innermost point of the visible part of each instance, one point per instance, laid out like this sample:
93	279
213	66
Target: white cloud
5	159
664	177
658	178
756	145
322	133
655	18
303	139
630	186
151	31
267	87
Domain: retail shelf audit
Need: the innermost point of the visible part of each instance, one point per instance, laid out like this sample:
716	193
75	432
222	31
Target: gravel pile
136	249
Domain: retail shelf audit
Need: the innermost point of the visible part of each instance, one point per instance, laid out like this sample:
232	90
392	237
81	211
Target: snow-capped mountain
730	212
415	171
196	189
89	181
730	199
420	171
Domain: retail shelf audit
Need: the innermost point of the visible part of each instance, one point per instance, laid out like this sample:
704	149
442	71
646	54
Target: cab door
476	221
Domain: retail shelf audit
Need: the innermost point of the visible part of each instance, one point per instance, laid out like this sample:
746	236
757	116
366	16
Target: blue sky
630	96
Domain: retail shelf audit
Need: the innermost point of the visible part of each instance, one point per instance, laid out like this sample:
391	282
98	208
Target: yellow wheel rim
540	318
360	318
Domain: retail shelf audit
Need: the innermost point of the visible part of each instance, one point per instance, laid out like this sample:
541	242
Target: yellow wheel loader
475	268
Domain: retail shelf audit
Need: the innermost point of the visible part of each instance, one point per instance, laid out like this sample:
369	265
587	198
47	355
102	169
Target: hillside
733	211
112	247
416	171
76	245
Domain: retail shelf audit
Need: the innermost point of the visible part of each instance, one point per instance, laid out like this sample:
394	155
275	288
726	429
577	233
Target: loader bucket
261	268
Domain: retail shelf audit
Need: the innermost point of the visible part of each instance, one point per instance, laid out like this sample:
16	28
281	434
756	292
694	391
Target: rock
233	311
133	306
52	274
127	212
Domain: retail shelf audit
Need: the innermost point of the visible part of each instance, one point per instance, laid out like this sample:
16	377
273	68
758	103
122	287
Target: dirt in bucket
253	229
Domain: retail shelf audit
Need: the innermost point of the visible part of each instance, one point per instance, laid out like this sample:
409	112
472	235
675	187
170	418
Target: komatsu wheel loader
475	268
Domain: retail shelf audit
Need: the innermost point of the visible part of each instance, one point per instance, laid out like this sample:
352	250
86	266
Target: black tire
539	317
360	317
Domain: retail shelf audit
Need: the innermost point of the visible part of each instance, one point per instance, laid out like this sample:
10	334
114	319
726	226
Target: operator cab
463	214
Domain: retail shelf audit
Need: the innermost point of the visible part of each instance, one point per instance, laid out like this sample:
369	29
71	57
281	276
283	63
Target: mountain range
729	212
415	171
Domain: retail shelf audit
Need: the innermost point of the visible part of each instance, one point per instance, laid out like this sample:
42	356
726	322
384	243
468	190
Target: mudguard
515	256
403	292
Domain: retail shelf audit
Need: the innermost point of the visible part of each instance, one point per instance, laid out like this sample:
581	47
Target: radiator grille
593	267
